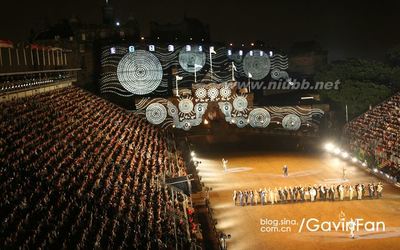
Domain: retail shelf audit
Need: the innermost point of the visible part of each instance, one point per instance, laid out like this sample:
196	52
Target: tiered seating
79	172
25	82
376	135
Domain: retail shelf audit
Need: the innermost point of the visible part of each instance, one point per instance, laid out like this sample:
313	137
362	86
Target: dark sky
364	29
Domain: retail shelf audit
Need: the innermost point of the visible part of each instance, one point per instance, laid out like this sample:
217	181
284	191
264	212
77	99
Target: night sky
364	29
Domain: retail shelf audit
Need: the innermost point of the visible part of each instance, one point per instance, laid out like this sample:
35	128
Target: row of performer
307	193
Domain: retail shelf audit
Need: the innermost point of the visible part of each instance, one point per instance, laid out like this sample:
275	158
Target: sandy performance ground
254	170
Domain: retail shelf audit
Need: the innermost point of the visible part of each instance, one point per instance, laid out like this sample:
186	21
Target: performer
321	192
276	195
375	190
295	193
285	194
251	195
326	192
224	164
332	193
313	194
291	192
302	193
234	197
256	196
363	190
271	196
359	191
241	198
285	170
379	190
351	192
262	194
351	226
246	197
341	192
280	193
371	190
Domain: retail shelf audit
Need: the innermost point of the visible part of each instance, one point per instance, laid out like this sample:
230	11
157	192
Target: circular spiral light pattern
156	113
140	72
259	118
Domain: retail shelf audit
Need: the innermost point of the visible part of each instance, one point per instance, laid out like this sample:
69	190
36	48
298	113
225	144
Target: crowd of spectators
79	172
375	136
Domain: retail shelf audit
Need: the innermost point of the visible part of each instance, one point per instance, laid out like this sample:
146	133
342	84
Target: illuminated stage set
184	86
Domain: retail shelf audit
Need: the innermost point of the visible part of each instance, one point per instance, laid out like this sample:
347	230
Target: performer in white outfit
341	192
256	196
224	164
359	191
271	196
352	227
351	192
313	193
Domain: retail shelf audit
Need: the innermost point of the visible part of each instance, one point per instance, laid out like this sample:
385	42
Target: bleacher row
79	172
375	136
24	82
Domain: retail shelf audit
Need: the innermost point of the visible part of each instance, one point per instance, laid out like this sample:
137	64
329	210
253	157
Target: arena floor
254	169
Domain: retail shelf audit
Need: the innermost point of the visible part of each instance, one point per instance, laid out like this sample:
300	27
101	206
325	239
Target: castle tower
108	13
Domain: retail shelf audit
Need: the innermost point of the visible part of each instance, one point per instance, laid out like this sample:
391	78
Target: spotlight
192	154
354	159
364	164
375	170
345	155
329	146
205	121
337	151
142	38
117	23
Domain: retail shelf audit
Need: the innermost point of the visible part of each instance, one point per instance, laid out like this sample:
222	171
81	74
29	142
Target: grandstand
375	136
80	172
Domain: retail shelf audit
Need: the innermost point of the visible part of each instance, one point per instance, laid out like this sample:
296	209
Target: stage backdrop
151	70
